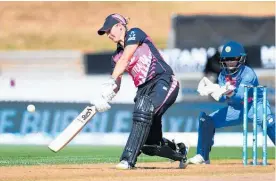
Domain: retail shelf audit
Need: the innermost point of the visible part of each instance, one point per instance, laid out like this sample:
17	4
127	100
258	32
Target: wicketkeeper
232	79
157	91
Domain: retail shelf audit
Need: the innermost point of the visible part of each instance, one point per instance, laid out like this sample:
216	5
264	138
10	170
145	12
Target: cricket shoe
198	159
183	149
123	165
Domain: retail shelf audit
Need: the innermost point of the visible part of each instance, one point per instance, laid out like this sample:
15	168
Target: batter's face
115	33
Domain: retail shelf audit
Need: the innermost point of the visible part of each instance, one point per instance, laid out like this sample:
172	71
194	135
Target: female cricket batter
157	91
232	79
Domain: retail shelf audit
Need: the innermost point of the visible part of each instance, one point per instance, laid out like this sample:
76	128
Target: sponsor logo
87	114
131	36
193	60
228	49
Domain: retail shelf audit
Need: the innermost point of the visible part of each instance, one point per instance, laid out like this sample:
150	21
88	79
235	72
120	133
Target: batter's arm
122	63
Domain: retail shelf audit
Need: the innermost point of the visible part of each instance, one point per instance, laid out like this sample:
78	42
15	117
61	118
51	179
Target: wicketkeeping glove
227	90
206	87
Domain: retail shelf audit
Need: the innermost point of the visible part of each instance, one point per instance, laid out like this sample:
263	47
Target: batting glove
109	90
101	105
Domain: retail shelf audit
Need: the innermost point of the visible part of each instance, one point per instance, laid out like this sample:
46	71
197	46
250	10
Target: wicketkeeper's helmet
232	57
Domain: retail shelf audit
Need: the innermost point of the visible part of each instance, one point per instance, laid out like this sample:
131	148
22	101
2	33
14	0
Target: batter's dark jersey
147	62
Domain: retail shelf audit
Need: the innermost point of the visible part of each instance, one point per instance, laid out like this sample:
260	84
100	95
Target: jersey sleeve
135	36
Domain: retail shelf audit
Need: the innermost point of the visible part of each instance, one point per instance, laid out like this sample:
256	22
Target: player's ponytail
127	20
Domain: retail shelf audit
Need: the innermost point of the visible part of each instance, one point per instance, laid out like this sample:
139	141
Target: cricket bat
72	129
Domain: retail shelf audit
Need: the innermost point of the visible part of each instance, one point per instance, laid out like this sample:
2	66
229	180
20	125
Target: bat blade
72	129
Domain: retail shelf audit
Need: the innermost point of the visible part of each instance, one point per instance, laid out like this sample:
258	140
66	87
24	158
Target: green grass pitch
41	155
